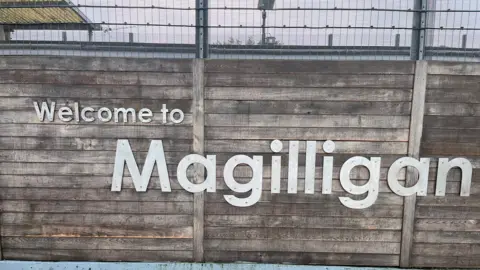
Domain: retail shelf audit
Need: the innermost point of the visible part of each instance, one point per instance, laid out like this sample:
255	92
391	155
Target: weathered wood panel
364	109
55	197
353	259
322	67
94	64
446	228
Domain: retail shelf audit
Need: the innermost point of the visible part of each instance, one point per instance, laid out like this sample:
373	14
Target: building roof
38	14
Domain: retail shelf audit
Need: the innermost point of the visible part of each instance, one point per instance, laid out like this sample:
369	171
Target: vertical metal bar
3	33
330	40
64	36
264	21
130	37
397	40
201	40
464	41
417	49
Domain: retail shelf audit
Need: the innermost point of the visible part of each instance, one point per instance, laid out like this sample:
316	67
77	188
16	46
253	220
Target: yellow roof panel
22	13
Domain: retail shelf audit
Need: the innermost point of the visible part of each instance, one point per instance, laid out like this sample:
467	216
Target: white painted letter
255	185
180	114
125	113
155	154
444	166
84	116
372	186
210	181
145	115
420	188
41	113
65	114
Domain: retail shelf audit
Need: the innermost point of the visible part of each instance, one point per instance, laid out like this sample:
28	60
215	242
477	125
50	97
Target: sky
219	18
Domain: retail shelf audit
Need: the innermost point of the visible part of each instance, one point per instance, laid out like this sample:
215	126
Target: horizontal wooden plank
447	237
95	63
453	68
301	234
340	134
303	258
445	261
108	207
450	149
307	107
59	230
113	220
304	246
308	80
446	211
452	109
30	117
87	144
449	200
321	94
453	81
155	105
251	221
96	243
305	66
452	96
95	77
95	91
342	147
53	156
66	169
95	131
72	181
318	198
446	249
333	209
61	194
451	122
451	136
286	120
447	225
338	161
97	255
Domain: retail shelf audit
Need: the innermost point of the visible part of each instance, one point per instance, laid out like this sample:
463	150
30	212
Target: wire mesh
238	29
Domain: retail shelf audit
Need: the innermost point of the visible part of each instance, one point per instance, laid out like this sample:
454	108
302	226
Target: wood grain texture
98	255
321	67
304	246
303	258
307	80
251	221
198	148
452	68
320	94
99	243
341	134
302	120
414	141
95	91
94	78
94	64
56	230
300	233
307	107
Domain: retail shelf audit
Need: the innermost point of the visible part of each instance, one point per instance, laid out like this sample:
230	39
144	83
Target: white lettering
45	110
140	181
65	114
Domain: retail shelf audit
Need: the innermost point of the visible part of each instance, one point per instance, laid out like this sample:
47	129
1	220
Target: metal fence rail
243	29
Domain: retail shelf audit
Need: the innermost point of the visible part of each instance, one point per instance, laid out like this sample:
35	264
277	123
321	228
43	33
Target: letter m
155	154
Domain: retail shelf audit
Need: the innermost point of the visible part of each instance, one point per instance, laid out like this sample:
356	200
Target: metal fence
239	29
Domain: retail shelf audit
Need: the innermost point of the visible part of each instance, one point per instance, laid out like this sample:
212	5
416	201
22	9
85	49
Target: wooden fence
55	177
